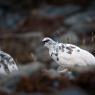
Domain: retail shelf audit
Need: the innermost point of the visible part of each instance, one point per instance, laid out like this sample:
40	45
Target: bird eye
46	41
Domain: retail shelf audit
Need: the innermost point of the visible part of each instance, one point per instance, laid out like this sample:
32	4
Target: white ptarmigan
7	64
69	57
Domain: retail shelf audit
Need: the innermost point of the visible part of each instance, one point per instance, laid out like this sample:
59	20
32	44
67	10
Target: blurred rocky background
24	23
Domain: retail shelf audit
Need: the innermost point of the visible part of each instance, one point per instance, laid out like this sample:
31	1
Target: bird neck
53	47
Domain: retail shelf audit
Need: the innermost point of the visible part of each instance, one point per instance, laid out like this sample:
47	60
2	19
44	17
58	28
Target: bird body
7	64
69	57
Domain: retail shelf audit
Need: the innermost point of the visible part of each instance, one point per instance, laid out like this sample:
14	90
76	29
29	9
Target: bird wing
67	50
73	57
65	53
87	57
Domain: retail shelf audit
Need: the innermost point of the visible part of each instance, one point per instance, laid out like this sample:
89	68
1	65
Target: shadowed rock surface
23	24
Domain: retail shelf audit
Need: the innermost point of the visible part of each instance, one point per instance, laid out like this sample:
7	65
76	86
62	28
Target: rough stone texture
21	30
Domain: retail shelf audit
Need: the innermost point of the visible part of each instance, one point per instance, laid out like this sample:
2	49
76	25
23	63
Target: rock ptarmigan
7	64
69	57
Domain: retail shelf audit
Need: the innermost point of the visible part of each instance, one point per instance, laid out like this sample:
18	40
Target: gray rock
79	18
72	91
52	73
30	68
69	37
42	54
54	11
53	65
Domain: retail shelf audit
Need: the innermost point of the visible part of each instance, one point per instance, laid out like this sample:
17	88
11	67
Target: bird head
48	42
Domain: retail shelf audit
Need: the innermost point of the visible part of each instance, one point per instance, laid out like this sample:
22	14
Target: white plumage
7	64
69	57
